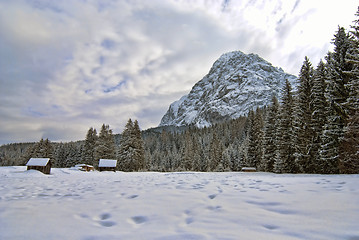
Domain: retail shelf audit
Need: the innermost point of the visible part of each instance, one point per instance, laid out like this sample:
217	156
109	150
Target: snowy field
70	204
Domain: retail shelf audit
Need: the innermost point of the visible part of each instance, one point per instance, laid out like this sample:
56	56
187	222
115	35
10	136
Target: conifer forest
311	128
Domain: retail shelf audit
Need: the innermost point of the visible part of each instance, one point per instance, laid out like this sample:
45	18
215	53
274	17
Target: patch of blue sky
103	5
34	113
44	5
101	60
94	70
108	44
116	87
225	4
69	58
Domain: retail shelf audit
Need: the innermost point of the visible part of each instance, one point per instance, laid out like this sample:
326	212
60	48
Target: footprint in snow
270	227
139	219
107	223
132	196
212	196
105	216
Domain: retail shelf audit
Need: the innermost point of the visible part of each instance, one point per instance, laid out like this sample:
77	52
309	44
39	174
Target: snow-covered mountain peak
236	83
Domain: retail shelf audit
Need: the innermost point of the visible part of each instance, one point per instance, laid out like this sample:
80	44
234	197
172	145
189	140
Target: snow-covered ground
70	204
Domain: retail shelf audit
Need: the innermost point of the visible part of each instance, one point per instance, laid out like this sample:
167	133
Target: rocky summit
236	83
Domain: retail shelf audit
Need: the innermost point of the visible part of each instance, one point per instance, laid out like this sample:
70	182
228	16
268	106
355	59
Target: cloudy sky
69	65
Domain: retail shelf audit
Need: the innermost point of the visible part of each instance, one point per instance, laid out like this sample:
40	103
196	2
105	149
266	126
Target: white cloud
69	65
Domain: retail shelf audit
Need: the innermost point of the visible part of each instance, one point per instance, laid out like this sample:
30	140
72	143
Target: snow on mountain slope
236	83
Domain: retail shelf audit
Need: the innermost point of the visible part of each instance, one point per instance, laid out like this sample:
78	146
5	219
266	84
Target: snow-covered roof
38	162
107	163
248	168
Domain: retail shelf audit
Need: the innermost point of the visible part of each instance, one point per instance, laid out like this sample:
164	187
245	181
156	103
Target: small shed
85	167
41	164
107	165
249	169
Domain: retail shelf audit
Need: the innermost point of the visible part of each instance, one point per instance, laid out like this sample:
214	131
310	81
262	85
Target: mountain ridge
236	83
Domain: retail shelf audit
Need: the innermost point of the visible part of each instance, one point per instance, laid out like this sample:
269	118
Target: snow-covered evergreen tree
337	95
105	144
131	153
270	135
88	154
139	151
319	108
215	154
285	160
303	118
42	149
255	137
349	147
187	153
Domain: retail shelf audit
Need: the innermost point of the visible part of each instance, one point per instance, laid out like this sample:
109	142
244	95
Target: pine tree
139	151
60	156
270	136
215	154
89	147
349	146
131	152
255	133
196	158
303	117
126	150
337	95
251	148
42	149
318	106
352	58
285	160
105	144
188	153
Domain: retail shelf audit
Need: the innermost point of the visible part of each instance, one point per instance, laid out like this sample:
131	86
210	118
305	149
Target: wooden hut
107	165
249	169
84	167
41	164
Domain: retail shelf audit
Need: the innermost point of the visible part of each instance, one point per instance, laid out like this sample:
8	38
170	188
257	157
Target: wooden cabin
249	169
41	164
85	167
107	165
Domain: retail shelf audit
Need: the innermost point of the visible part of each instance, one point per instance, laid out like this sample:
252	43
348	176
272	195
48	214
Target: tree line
316	128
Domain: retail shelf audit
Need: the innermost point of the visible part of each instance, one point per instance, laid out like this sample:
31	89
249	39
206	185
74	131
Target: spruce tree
251	147
131	152
139	151
126	149
255	133
41	149
88	154
303	117
352	58
337	95
270	135
188	153
105	144
349	146
285	160
215	154
318	106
